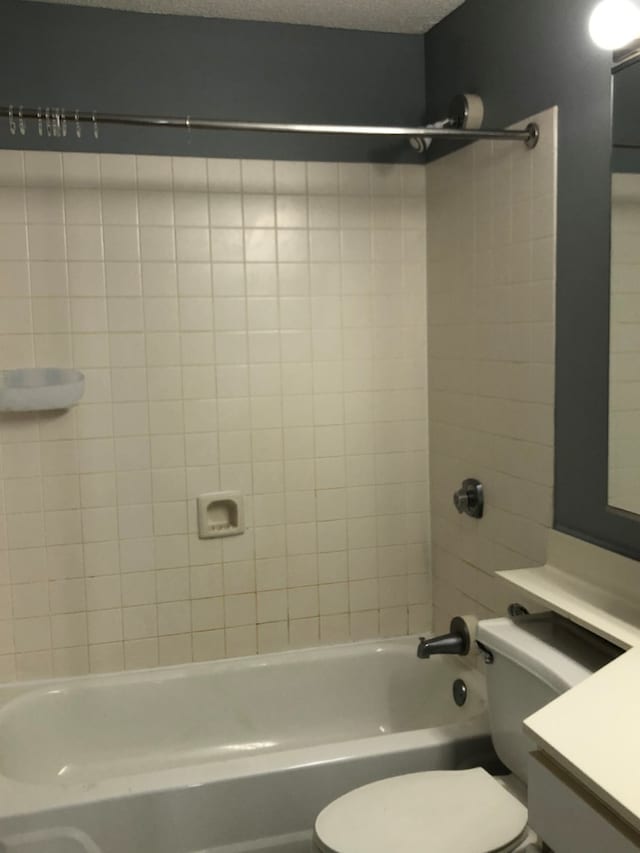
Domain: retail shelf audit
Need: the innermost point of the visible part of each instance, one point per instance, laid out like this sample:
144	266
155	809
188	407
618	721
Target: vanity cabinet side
569	818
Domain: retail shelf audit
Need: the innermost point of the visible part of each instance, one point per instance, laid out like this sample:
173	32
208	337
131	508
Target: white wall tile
506	299
226	328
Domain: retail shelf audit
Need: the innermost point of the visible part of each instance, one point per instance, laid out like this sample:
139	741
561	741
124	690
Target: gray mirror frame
582	428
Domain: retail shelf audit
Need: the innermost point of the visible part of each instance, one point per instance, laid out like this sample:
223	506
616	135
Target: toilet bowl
530	661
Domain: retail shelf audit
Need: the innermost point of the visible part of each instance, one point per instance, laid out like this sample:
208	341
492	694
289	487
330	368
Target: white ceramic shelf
593	587
612	617
39	389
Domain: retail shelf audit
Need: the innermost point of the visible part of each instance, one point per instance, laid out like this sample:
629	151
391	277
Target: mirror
624	361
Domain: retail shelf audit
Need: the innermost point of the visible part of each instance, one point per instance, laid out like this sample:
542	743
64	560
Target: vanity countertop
593	731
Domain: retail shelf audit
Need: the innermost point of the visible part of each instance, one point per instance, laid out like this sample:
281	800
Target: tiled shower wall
491	309
624	403
247	325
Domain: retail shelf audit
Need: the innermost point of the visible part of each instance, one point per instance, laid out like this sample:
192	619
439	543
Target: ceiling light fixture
614	24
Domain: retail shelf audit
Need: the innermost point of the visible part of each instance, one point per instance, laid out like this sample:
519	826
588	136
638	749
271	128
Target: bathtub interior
84	731
150	763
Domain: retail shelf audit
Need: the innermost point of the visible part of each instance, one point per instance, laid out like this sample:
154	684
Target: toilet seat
466	811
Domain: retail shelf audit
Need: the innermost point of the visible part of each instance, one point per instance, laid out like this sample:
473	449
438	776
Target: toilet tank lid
548	646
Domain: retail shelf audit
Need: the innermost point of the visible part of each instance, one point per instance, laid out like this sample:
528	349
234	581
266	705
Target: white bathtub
223	755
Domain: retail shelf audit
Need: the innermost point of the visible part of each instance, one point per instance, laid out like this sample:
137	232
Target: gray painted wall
626	90
97	59
626	123
524	57
626	160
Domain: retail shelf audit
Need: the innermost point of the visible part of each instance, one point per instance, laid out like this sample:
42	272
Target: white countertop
593	731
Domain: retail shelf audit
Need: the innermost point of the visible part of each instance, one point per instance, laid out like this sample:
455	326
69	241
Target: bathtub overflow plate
460	692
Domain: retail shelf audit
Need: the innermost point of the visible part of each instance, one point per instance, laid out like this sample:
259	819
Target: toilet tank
535	659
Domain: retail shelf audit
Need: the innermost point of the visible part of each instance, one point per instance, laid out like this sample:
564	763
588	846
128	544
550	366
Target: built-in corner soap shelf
220	514
39	389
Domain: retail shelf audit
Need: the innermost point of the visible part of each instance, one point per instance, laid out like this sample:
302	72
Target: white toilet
530	661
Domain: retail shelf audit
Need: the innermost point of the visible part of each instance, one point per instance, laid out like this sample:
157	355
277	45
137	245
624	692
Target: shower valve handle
470	498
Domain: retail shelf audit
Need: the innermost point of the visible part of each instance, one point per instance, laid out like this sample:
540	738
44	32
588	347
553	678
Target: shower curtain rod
55	121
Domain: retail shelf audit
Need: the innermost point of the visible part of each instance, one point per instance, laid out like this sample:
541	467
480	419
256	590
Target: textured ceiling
393	16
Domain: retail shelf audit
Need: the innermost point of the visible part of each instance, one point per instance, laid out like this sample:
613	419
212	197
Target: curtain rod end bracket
533	130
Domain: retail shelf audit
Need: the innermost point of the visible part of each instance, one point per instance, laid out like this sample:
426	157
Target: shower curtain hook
21	125
47	120
12	122
95	125
63	118
187	124
39	121
78	127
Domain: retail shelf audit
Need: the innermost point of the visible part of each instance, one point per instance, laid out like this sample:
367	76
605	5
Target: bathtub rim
13	690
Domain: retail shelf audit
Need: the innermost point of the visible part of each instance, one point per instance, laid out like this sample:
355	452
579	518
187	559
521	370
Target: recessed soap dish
220	514
38	389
